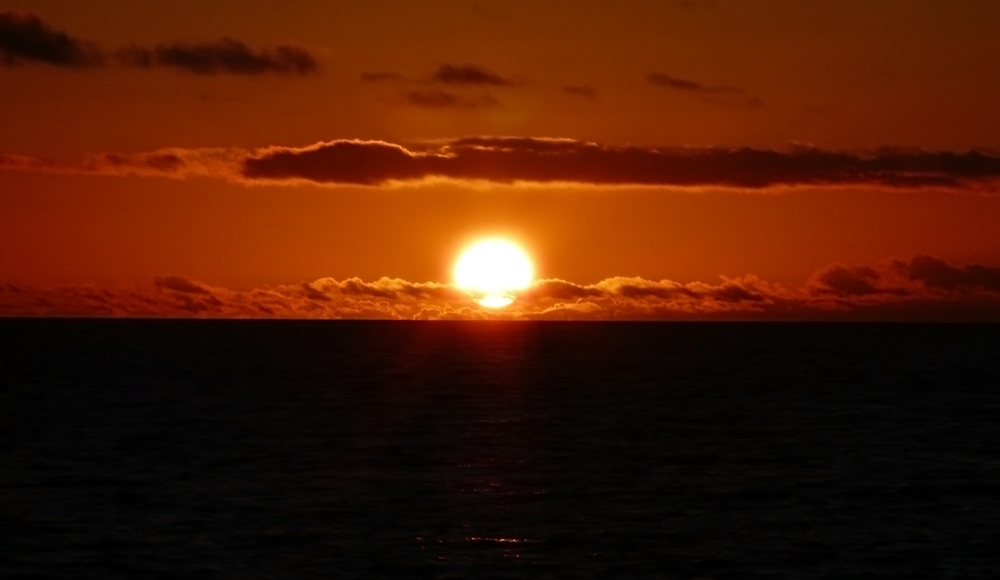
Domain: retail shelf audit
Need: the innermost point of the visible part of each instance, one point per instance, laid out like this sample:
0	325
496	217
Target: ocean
312	449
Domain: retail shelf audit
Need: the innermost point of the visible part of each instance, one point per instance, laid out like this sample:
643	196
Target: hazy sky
259	145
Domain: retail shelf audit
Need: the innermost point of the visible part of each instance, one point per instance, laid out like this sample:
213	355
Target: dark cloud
922	278
380	77
736	293
426	93
179	284
313	294
226	56
848	281
455	76
511	160
438	99
469	74
586	91
354	162
939	274
25	37
924	288
435	99
507	160
724	94
669	82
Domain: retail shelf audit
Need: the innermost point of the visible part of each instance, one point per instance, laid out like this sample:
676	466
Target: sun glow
492	271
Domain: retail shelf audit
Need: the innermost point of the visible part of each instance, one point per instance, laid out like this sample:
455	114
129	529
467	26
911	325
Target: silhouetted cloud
469	74
426	92
580	91
893	290
380	77
708	93
226	56
847	281
938	274
456	76
921	278
25	37
509	160
438	99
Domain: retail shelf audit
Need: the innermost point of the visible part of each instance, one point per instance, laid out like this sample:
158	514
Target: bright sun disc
492	270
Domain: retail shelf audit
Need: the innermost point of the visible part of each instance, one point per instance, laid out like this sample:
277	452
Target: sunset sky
773	159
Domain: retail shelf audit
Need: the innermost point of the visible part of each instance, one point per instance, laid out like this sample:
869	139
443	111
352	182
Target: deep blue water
252	449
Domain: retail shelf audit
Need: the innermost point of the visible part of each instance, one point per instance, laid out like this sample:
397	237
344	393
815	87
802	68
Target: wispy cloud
708	93
438	99
585	91
454	76
470	74
449	87
226	56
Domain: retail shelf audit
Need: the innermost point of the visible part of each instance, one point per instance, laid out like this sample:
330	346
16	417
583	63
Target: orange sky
699	139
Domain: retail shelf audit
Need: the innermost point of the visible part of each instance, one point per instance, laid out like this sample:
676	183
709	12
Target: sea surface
307	449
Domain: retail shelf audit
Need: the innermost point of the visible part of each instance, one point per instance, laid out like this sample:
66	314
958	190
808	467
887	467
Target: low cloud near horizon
922	288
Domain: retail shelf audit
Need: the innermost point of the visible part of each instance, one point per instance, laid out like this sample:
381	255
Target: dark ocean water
249	449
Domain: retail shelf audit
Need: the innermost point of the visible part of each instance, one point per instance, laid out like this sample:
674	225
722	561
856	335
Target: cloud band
923	288
509	160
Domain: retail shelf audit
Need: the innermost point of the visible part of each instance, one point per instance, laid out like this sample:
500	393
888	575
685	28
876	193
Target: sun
492	270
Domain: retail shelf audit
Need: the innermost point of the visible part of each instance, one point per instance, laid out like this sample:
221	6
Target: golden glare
492	270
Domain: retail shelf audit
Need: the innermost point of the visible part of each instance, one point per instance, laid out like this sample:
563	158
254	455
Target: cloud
438	99
225	56
848	281
174	163
179	284
585	91
936	273
427	92
465	75
922	278
25	37
509	160
470	74
895	290
722	94
381	77
669	82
